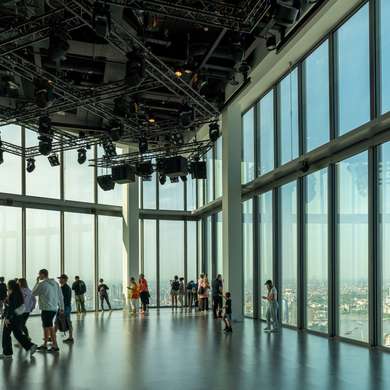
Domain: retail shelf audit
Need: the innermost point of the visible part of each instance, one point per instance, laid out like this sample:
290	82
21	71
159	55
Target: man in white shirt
272	314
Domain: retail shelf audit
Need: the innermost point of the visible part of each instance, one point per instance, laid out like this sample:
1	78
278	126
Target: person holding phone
272	314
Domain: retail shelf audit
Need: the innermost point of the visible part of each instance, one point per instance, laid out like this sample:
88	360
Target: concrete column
130	233
231	208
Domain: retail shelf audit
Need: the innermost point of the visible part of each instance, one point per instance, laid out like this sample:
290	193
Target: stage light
109	148
101	19
183	178
143	145
174	179
81	155
135	68
244	69
271	43
45	145
105	182
162	179
30	165
178	73
152	120
214	131
54	160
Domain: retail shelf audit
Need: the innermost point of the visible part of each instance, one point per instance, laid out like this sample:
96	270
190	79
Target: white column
130	234
231	208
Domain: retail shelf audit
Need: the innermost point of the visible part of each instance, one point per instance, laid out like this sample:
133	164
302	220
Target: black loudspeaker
175	166
122	174
105	182
199	170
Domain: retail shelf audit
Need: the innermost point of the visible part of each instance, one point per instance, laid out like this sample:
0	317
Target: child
227	318
272	314
133	295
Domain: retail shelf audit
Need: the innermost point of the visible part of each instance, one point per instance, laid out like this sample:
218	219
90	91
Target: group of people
138	291
17	302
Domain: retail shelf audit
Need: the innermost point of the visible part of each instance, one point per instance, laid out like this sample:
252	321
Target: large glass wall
218	167
209	247
150	258
288	116
210	176
316	97
171	196
316	228
171	256
352	194
42	243
191	194
191	251
384	26
79	254
288	228
248	149
219	243
353	72
247	245
384	234
11	167
10	242
110	255
265	245
265	134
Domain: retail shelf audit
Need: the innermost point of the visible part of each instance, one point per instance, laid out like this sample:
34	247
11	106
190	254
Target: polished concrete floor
178	351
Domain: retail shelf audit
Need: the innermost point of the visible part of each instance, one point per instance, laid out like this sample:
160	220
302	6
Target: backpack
82	287
176	285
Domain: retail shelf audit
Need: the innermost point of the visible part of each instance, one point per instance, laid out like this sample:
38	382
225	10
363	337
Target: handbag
20	310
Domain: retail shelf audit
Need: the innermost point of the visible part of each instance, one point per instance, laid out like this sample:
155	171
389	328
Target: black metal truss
191	150
124	40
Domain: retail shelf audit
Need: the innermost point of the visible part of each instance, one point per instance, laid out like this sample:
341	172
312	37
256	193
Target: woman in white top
272	314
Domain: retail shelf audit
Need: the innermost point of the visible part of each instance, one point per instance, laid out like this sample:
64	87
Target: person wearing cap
67	294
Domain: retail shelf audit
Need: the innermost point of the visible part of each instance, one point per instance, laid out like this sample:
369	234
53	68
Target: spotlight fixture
109	148
30	165
101	19
54	160
214	131
105	182
244	69
45	145
143	145
81	155
178	73
135	68
151	120
174	179
186	115
162	179
271	43
43	92
45	132
183	178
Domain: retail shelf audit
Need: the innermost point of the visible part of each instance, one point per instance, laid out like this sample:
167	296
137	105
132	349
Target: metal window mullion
375	71
96	259
301	266
23	209
276	126
256	258
23	161
333	86
24	244
62	241
276	241
374	280
301	109
185	257
332	254
95	189
213	244
142	246
158	262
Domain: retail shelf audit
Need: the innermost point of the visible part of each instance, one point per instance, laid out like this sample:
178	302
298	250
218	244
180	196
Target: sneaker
54	349
68	340
42	348
33	349
5	357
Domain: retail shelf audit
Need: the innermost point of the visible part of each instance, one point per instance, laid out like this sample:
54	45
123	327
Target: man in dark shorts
3	294
67	295
50	300
217	287
227	317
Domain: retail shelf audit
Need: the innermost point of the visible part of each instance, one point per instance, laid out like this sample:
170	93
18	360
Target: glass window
201	185
384	40
353	246
316	97
44	181
110	255
171	257
12	165
353	72
191	193
78	178
42	243
218	167
149	192
265	139
79	252
247	241
265	245
150	258
10	242
191	251
115	196
209	247
316	227
219	244
384	234
171	195
248	149
200	247
210	176
288	216
288	116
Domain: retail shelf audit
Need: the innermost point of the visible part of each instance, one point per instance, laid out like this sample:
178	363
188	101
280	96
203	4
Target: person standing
182	292
3	294
191	292
175	286
13	315
217	287
29	304
133	295
50	300
67	295
144	293
272	313
227	318
202	292
79	289
103	294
